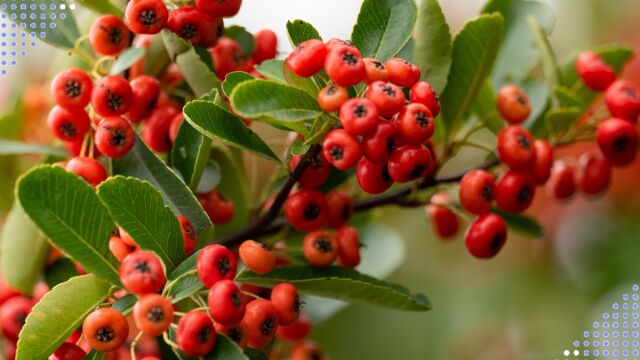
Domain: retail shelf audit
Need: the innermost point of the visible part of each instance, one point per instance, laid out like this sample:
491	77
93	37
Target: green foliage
10	147
101	6
522	224
485	108
271	70
300	30
302	83
233	79
558	120
128	57
383	27
69	212
547	56
156	57
190	153
59	272
59	313
244	39
433	45
225	349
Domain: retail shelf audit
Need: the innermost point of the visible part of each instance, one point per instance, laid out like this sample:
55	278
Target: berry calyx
623	100
409	162
238	333
146	16
415	124
421	92
359	116
378	145
284	298
375	70
340	209
402	72
320	248
188	23
387	97
515	147
306	210
142	273
344	66
331	97
373	177
514	191
153	314
114	136
71	89
618	141
68	124
341	149
109	35
112	96
105	329
189	235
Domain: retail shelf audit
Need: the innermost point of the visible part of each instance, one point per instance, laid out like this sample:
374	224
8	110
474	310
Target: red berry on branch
409	162
415	124
286	301
515	147
618	141
373	178
562	183
315	174
542	161
335	43
227	56
153	314
341	149
195	335
225	303
219	8
348	246
513	104
119	249
188	23
514	191
145	90
306	210
307	58
444	220
307	350
219	209
142	273
126	238
146	16
262	321
477	191
256	257
68	351
189	235
375	70
340	209
87	168
388	98
402	72
109	35
320	248
112	96
421	92
266	46
213	31
486	236
216	263
594	174
296	331
71	89
238	333
378	145
344	66
105	329
359	116
594	72
13	314
114	136
68	124
623	100
155	130
331	97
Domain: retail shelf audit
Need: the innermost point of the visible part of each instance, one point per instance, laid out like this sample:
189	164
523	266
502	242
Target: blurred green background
530	302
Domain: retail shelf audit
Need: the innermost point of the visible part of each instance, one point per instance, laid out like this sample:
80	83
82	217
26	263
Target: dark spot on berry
521	100
268	327
388	90
114	35
235	334
385	174
119	137
220	29
523	142
155	314
487	193
68	129
360	111
620	144
346	213
297	305
378	65
323	244
391	144
524	195
496	242
142	266
417	171
316	162
236	299
422	119
148	17
336	152
72	88
629	92
223	265
114	101
105	335
311	212
190	231
203	335
349	59
189	31
331	90
315	355
21	318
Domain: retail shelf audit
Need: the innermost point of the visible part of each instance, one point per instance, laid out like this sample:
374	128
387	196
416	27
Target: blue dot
614	353
23	53
596	324
605	324
62	16
596	353
33	6
33	43
3	6
585	334
635	287
635	352
585	343
616	344
13	62
605	316
586	353
595	334
596	343
625	352
4	72
605	352
605	334
4	62
576	343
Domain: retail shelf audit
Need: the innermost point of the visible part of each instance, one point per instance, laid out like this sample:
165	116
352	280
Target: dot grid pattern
615	336
22	23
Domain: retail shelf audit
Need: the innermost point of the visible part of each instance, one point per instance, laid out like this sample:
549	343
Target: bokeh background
530	302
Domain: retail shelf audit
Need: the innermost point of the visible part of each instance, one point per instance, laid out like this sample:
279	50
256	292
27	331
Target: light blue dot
585	343
614	353
595	334
596	353
586	353
605	352
596	343
635	353
616	344
63	16
635	287
605	315
576	343
596	324
13	62
625	352
4	72
585	334
605	343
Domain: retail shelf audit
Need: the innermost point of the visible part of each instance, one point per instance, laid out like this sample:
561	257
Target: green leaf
518	55
155	57
300	30
256	354
63	34
143	164
128	57
59	313
68	211
219	124
185	287
522	224
302	83
259	98
433	44
24	250
547	56
244	39
190	153
10	147
95	355
174	44
139	209
225	349
342	284
271	70
125	304
59	272
559	120
383	27
233	79
298	148
485	108
408	50
567	98
205	57
101	7
480	37
538	92
196	73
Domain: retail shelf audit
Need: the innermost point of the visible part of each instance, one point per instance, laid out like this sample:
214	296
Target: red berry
542	161
562	183
296	331
195	335
219	8
513	104
105	329
340	209
623	100
213	30
153	314
421	92
594	174
306	210
216	263
189	236
618	141
335	43
315	174
307	58
114	136
13	314
373	178
477	191
227	56
146	90
320	248
68	351
515	147
174	126
146	16
284	298
256	257
6	292
155	130
112	96
341	149
415	124
409	162
119	249
142	273
402	72
238	333
109	35
443	220
344	66
225	302
126	238
486	236
348	246
87	168
71	89
594	72
188	23
68	124
375	70
266	46
514	191
307	350
387	97
378	145
359	116
219	209
331	97
262	321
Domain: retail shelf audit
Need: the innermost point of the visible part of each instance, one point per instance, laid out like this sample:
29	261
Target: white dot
567	353
72	6
576	352
63	6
